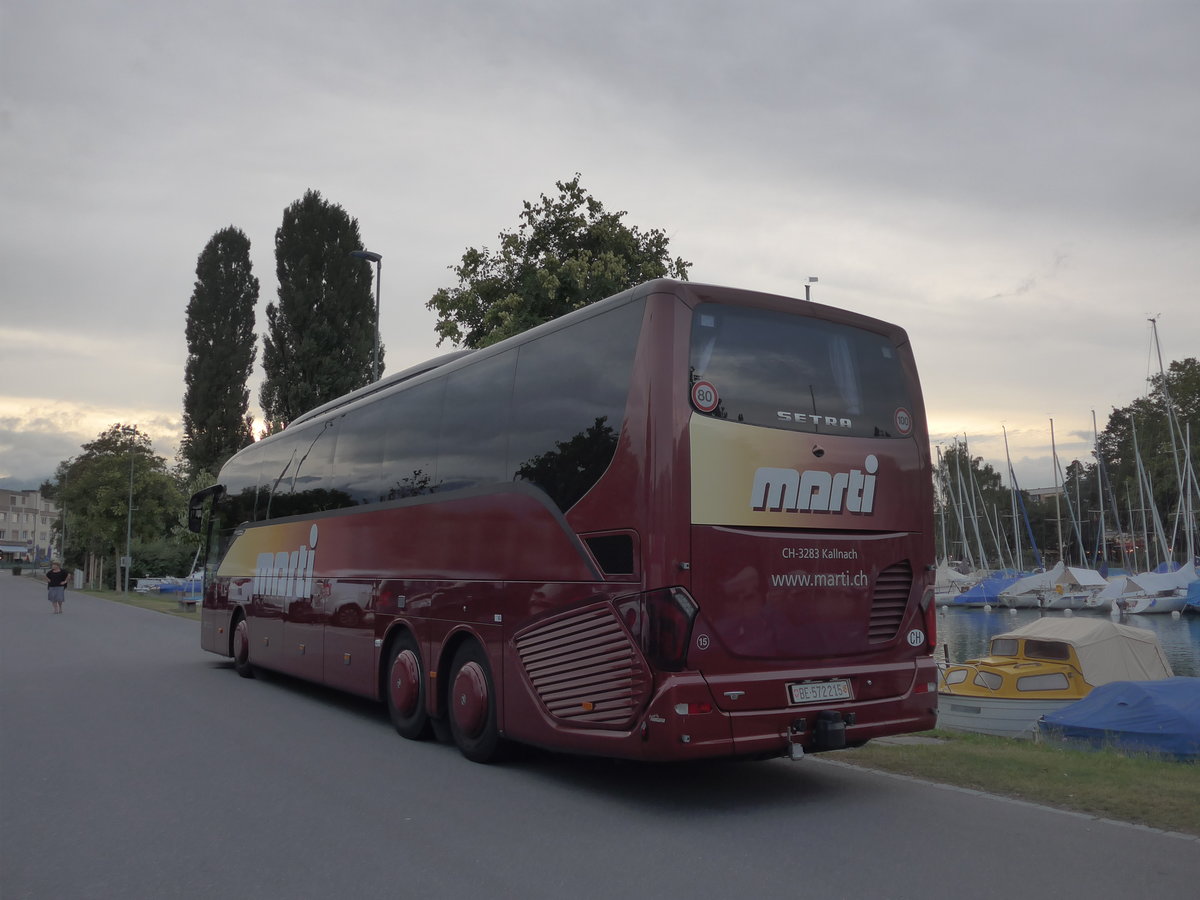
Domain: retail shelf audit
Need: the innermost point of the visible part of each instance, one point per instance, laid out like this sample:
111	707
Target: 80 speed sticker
704	396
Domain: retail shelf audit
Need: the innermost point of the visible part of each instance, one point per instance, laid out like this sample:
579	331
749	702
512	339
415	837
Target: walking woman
57	579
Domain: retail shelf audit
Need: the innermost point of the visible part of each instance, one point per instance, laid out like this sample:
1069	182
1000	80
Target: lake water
967	632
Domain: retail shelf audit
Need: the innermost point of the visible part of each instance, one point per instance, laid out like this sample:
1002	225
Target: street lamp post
376	258
129	525
812	279
129	431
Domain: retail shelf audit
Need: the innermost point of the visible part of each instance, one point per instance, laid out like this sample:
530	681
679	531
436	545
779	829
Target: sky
1013	183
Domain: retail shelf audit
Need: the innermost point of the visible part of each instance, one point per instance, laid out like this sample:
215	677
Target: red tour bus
686	521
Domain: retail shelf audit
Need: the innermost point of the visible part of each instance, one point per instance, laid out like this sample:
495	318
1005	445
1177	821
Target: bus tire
405	689
240	645
471	705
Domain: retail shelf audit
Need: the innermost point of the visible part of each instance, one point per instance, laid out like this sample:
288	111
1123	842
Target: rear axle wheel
471	705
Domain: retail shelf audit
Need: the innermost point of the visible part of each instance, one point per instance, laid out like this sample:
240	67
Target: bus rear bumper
683	722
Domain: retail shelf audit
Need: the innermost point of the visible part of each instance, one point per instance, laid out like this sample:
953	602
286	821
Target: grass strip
164	603
1141	789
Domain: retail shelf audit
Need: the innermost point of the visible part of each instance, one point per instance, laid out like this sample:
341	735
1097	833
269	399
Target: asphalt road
133	764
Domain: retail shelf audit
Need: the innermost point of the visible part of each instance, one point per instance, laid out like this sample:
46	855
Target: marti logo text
288	573
791	490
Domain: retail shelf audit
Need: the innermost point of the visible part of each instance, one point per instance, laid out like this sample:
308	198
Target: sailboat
1154	592
1062	587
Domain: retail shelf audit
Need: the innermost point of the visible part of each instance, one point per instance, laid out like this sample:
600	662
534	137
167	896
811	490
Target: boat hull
1068	600
1013	718
1150	605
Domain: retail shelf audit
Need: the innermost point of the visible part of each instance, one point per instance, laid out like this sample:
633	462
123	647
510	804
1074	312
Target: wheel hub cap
405	686
469	699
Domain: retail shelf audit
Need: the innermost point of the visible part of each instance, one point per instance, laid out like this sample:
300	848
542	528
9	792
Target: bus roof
687	291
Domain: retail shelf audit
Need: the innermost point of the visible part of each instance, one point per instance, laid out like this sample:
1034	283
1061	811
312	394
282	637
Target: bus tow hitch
795	732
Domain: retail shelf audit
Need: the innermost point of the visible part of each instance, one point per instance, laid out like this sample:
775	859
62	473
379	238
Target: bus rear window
798	373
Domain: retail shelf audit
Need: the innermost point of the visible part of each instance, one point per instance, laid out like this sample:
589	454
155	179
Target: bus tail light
692	709
930	609
661	622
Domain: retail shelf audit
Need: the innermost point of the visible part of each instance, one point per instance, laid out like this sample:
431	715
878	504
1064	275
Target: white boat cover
1156	582
1107	651
1084	577
1066	576
1039	581
948	577
1148	583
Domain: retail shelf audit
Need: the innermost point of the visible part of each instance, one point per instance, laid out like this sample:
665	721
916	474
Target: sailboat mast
1187	497
958	510
941	489
993	524
1181	456
1132	526
1012	483
1077	519
1102	550
1172	421
1131	565
1057	507
1146	493
971	505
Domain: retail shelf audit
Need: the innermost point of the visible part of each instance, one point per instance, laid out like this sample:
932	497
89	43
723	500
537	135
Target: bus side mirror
196	507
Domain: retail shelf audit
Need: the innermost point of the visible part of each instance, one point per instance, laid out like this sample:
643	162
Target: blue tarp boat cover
1193	595
1139	716
986	591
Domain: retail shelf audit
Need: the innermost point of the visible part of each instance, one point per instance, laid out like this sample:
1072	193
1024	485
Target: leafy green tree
321	335
220	339
94	489
1147	420
566	253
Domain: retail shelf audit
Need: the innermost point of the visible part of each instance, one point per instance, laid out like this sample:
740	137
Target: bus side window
358	455
409	441
476	421
569	403
313	485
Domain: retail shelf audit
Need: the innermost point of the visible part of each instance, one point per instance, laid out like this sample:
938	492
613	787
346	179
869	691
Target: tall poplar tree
321	334
221	351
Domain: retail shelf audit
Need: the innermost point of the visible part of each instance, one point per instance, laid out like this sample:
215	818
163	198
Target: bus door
203	520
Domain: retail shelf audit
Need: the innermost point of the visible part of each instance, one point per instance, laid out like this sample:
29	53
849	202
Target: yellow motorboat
1041	667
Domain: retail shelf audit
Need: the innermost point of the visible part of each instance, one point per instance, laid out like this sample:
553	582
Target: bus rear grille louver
585	668
889	602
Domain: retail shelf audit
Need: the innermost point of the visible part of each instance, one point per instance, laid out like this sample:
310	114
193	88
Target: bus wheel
241	649
472	705
406	690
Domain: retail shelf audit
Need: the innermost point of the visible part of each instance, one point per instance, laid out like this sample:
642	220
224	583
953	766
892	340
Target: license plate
816	691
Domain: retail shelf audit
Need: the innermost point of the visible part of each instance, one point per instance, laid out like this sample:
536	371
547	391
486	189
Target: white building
26	520
1044	493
